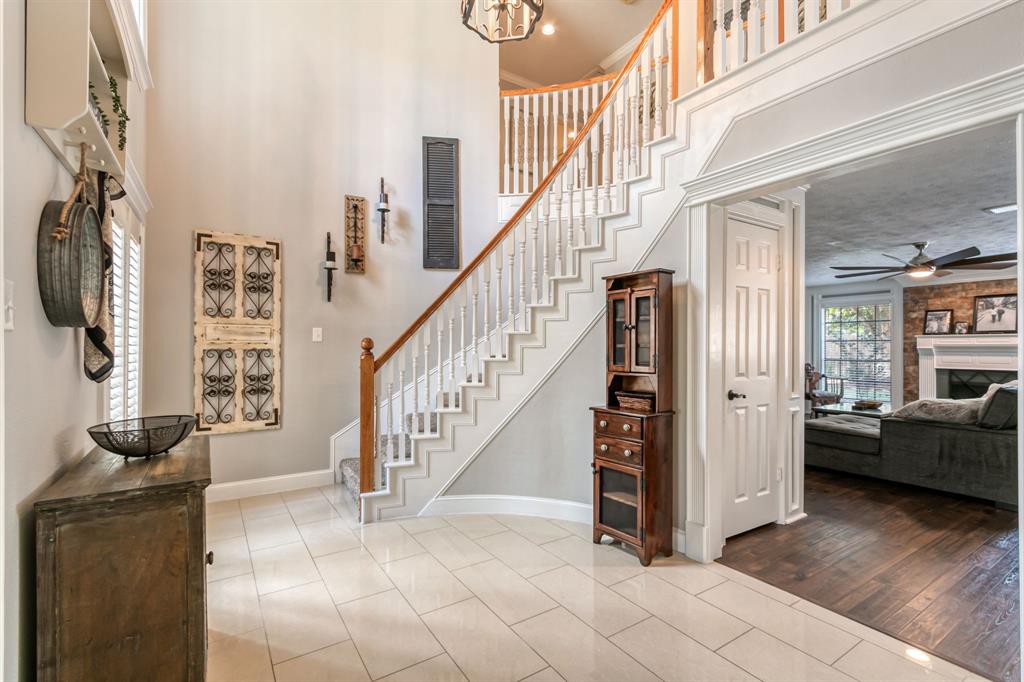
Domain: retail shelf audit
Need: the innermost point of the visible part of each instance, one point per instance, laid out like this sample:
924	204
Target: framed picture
938	321
995	314
961	328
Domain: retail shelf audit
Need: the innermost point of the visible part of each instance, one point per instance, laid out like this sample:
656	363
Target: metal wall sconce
329	265
355	234
383	209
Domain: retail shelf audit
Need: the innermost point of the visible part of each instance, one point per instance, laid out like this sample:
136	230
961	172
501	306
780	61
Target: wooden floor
937	571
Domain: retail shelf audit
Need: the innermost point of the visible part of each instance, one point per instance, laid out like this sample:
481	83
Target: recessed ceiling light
548	29
997	210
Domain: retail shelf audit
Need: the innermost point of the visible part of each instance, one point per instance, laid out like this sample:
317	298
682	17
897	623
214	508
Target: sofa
975	459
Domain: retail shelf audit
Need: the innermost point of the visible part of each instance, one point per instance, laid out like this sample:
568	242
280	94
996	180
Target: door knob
209	557
732	395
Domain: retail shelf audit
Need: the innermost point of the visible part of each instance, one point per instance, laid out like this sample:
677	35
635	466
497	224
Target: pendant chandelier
499	21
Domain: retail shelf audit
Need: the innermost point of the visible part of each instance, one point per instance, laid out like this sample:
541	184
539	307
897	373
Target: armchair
821	389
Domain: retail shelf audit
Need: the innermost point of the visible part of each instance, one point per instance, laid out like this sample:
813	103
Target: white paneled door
751	495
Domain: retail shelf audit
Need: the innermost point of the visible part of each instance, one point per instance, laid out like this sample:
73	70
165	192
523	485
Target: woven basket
635	402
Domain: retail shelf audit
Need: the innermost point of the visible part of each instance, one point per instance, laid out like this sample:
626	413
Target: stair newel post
535	236
660	78
366	417
506	103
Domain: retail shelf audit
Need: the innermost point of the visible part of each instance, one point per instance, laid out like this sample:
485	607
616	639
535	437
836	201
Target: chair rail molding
968	351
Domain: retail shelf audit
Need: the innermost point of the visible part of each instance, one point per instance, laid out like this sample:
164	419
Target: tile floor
300	593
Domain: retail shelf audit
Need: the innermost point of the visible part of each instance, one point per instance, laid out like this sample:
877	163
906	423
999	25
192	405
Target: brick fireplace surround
957	297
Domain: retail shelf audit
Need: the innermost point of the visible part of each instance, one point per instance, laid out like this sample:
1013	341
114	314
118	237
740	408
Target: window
125	302
858	348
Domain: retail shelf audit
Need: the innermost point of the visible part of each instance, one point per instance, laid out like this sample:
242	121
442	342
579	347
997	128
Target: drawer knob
627	427
604	447
627	453
603	423
209	558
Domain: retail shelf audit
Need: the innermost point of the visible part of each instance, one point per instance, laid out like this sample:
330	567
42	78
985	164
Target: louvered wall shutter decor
440	203
237	352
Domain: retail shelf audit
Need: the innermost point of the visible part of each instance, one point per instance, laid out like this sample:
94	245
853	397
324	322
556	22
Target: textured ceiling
936	193
586	32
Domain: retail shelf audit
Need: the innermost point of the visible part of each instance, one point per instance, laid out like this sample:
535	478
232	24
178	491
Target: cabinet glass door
617	494
618	319
642	304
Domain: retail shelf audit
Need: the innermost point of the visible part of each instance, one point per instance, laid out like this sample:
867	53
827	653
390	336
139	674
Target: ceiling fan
923	265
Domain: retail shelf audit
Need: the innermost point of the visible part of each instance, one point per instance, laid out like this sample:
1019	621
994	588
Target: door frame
862	145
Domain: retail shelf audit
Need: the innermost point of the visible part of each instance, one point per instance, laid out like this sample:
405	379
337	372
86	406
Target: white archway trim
1000	97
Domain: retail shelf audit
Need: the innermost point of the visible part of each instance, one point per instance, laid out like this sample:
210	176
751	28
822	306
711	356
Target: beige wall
264	116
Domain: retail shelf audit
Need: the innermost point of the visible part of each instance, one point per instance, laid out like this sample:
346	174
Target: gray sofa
976	460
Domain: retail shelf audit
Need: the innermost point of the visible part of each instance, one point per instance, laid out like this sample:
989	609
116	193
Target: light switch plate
318	334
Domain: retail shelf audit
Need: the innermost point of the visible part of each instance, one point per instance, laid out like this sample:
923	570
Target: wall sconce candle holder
355	234
383	208
329	265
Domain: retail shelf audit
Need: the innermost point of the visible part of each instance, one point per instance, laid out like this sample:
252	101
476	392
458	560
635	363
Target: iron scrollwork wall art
237	311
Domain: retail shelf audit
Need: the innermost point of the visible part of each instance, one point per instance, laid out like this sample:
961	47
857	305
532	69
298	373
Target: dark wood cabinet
633	430
121	568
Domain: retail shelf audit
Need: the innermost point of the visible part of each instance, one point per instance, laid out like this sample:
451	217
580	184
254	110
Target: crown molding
517	80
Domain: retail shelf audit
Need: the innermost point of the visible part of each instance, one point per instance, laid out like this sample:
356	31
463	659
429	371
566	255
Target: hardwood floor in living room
937	571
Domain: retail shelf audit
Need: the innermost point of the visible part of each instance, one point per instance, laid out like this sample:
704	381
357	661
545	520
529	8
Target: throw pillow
947	411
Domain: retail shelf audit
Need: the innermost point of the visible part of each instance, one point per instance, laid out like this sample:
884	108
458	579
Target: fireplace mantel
963	351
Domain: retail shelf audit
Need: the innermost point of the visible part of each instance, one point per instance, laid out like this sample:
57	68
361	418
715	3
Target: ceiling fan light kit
922	265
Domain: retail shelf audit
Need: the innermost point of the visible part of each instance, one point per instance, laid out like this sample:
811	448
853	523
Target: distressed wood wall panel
237	341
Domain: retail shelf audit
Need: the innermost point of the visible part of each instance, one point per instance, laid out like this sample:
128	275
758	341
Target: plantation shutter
133	311
440	203
126	304
116	384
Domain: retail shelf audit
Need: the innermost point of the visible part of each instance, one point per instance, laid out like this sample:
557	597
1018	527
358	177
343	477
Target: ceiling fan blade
953	257
983	266
943	273
895	274
899	271
865	267
996	258
898	260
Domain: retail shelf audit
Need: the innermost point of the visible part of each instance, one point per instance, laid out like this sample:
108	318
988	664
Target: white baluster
606	173
595	161
790	19
754	28
570	168
546	98
832	9
645	94
771	26
511	283
546	276
439	398
660	78
498	336
721	59
475	285
452	388
558	225
736	39
463	348
581	155
403	432
564	135
536	144
812	16
415	384
516	179
634	115
488	350
534	286
506	104
620	133
425	428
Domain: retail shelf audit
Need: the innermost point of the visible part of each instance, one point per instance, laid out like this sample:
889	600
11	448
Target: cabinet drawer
619	450
618	425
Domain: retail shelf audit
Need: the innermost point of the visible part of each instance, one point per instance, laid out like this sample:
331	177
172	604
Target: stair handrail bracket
406	390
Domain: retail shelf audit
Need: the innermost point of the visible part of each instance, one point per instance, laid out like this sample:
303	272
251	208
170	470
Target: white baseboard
679	540
218	492
509	504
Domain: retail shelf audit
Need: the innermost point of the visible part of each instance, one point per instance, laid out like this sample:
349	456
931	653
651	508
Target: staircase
433	399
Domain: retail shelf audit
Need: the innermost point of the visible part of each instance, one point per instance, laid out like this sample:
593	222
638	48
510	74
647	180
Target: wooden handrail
527	205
